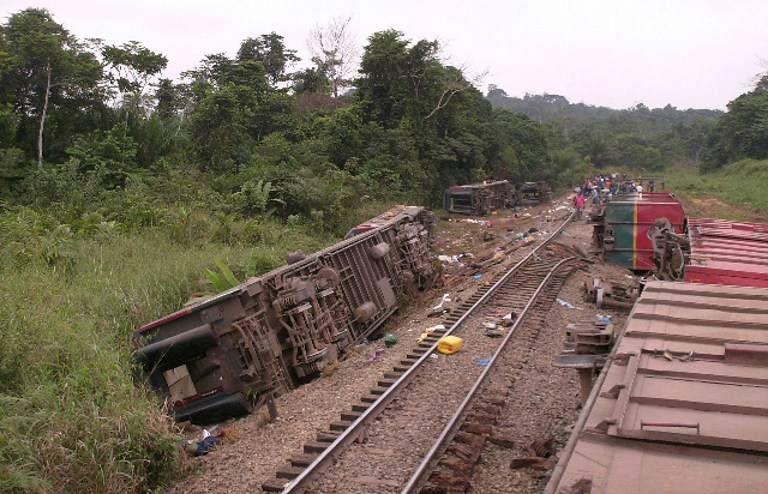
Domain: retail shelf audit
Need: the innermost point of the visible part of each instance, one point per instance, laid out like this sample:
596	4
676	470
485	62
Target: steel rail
447	431
357	428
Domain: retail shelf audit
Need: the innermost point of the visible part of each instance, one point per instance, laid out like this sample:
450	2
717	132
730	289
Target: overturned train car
628	228
237	350
479	199
533	193
715	251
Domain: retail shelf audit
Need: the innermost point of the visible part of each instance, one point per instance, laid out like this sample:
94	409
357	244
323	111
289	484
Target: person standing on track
579	204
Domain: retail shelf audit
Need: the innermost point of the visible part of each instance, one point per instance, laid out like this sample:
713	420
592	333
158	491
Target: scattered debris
205	445
375	355
390	340
477	222
424	334
440	308
455	258
605	319
567	304
611	294
509	319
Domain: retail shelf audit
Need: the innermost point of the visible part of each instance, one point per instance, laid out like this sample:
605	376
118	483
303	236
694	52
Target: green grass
737	191
72	416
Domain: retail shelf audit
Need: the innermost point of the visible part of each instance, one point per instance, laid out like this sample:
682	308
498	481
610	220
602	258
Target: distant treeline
636	138
645	138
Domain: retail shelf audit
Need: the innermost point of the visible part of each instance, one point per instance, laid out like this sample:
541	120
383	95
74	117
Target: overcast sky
690	53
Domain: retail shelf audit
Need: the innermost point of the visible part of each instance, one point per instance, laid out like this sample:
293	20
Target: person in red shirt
579	203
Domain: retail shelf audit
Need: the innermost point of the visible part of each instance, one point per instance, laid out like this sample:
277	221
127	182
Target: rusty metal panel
728	252
683	404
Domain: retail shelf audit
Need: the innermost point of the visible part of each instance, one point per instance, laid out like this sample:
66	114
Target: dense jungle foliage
119	189
637	138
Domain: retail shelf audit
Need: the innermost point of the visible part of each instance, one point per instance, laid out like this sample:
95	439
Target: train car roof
728	251
682	405
646	198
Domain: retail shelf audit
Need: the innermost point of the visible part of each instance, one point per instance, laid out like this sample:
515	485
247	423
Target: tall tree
48	65
270	50
132	67
334	52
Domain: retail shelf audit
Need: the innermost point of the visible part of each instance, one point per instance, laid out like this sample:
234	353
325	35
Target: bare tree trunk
42	118
181	121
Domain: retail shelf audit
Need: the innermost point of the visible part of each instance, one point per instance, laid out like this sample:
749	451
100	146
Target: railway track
389	435
449	463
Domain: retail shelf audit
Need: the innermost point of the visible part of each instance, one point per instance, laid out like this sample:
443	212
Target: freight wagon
628	226
712	251
479	199
727	252
533	193
237	350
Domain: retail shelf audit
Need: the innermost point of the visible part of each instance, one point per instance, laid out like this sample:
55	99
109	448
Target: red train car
624	230
727	252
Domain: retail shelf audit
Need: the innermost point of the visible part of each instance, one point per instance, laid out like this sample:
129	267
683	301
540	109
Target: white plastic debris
446	299
567	304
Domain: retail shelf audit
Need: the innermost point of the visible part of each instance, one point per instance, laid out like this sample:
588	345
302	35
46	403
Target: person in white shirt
639	190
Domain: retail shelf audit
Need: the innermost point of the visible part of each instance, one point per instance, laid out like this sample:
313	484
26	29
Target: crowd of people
601	187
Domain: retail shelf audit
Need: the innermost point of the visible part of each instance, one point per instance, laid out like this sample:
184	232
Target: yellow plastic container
449	344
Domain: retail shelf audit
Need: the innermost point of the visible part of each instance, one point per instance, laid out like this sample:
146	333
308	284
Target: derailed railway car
479	199
533	193
627	228
237	350
716	251
682	403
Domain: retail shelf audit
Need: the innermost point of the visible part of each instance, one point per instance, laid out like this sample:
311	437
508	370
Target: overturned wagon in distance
235	351
532	193
479	199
